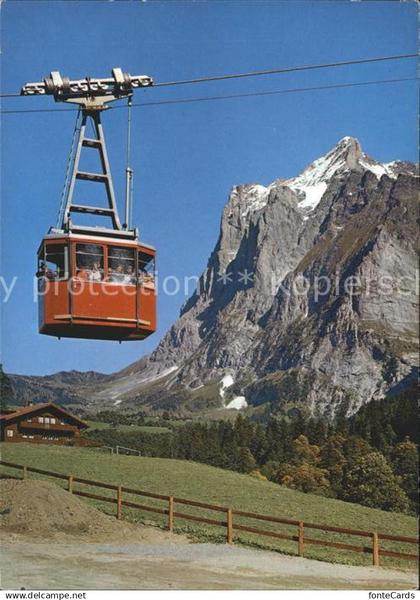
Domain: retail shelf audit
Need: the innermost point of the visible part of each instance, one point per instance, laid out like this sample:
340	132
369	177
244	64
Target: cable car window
90	262
121	265
146	267
52	262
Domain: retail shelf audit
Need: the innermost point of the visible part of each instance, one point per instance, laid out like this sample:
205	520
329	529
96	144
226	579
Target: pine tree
298	425
7	395
259	444
333	460
245	462
243	431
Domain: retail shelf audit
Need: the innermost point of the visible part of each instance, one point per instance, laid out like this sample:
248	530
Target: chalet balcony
35	425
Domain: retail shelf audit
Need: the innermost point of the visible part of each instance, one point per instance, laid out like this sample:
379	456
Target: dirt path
28	564
51	539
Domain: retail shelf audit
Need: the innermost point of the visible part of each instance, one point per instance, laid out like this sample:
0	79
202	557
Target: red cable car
94	282
96	287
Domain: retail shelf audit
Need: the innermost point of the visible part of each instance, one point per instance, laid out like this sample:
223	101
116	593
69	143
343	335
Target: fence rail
228	522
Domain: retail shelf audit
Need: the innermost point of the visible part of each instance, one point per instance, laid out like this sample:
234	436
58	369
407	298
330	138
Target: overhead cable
223	97
359	61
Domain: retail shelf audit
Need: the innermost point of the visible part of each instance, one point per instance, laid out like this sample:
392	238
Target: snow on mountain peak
312	183
255	197
377	168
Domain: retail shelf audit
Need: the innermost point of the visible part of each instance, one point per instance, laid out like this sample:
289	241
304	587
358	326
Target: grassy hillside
209	484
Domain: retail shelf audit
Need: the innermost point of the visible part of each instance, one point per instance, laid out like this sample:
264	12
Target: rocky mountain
308	300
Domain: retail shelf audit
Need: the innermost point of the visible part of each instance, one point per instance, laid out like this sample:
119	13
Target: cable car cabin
94	282
96	287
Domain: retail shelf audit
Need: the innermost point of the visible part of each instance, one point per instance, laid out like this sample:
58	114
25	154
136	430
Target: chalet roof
35	408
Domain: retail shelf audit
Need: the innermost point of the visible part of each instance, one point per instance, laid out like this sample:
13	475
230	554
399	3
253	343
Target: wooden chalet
44	423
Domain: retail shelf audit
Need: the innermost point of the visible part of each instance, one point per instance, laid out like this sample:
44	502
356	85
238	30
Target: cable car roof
56	234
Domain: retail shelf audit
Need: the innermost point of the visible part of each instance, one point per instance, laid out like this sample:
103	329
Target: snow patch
256	197
311	184
312	195
321	169
237	403
389	167
378	169
226	382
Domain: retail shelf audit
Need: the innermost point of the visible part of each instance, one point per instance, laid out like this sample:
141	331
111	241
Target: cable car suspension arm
92	96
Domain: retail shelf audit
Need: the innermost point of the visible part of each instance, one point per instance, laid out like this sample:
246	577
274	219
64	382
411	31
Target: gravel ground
51	539
27	564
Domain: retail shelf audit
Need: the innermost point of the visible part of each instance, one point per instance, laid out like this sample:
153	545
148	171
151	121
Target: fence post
24	472
229	533
171	514
119	502
375	549
301	543
70	484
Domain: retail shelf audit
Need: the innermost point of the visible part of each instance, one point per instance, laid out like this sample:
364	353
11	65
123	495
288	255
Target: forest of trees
7	396
370	458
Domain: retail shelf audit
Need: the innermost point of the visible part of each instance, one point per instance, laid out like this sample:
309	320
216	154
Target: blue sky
186	157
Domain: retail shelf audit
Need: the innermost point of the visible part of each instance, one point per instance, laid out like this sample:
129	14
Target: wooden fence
227	521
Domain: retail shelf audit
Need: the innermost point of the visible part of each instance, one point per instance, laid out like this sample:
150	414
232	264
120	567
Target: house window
9	433
52	420
47	419
40	419
29	420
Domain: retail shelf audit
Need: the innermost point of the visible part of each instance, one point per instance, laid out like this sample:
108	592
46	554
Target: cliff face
308	299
